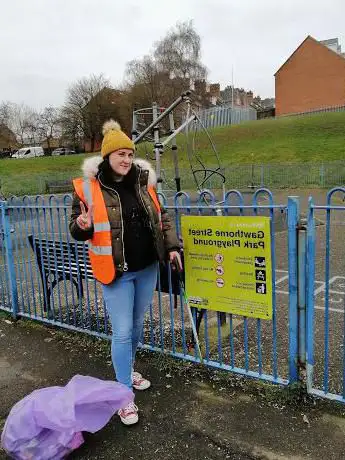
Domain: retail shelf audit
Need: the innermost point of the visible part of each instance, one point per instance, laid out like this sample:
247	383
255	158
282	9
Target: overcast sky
47	44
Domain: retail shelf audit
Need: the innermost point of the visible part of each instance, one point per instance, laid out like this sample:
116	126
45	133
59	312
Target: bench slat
50	244
61	263
63	257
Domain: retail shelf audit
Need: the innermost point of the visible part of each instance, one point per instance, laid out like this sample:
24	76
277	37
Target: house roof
323	44
330	41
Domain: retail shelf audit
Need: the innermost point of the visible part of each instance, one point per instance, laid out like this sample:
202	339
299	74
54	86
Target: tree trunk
92	146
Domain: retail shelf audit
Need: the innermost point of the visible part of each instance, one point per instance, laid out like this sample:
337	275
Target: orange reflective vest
100	247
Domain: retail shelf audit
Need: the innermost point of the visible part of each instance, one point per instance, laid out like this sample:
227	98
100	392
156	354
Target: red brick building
313	77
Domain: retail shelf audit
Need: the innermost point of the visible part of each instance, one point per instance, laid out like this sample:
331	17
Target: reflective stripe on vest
155	199
101	226
101	250
87	191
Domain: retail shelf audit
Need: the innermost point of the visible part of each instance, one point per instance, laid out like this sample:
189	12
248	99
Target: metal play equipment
150	120
157	125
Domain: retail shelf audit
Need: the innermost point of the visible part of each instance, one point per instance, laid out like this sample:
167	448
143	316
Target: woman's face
121	161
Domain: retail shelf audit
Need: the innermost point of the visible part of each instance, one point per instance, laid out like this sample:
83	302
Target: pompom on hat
114	138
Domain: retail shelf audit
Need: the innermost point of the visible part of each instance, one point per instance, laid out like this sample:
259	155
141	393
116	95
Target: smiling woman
115	208
121	161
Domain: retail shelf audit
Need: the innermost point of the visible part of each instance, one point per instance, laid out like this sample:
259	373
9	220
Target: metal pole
232	96
178	130
253	186
158	168
302	243
9	258
293	217
311	238
174	152
155	127
157	147
134	126
208	135
186	302
163	115
232	88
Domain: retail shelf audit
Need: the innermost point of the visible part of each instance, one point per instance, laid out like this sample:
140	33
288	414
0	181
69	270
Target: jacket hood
90	168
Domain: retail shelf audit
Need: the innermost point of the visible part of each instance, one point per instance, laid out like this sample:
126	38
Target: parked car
63	151
29	152
5	153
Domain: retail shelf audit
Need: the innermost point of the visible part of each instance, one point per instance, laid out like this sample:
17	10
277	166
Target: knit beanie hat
114	139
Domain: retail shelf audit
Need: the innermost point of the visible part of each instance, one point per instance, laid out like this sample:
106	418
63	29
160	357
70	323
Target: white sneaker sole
129	421
142	387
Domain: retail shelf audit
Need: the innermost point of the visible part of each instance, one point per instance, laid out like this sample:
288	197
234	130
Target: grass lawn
312	138
20	177
317	139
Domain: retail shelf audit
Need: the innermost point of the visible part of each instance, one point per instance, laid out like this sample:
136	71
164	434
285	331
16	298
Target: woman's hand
175	258
84	221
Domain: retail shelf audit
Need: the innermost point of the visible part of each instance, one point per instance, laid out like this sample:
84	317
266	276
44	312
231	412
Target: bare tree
179	53
23	121
6	113
49	125
71	127
170	70
79	96
90	101
29	126
146	81
7	137
33	130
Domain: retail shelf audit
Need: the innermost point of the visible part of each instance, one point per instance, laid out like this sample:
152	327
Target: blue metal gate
325	270
45	276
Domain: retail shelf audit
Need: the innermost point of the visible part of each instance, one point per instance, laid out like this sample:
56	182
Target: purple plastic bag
48	423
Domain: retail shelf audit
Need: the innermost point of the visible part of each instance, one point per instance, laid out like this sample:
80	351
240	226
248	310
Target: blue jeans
127	300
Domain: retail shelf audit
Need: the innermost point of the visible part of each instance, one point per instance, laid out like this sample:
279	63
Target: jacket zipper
148	215
142	200
125	265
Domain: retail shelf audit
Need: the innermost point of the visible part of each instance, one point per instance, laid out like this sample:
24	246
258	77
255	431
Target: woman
115	208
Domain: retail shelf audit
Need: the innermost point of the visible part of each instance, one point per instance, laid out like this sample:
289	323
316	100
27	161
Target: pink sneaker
129	414
139	383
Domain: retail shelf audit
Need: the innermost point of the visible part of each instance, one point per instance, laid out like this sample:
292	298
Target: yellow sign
228	264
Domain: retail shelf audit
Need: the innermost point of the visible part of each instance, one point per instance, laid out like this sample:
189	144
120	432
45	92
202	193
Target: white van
29	152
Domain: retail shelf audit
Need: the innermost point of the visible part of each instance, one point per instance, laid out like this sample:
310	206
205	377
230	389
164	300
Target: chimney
200	86
250	97
215	90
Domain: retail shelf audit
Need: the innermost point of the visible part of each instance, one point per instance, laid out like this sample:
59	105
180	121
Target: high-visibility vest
100	247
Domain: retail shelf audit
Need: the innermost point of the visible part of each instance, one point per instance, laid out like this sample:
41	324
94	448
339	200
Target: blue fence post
302	259
9	258
311	237
293	217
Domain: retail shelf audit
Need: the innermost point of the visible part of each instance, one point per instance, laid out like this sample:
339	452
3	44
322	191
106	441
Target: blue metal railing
224	116
308	324
325	324
46	276
335	108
